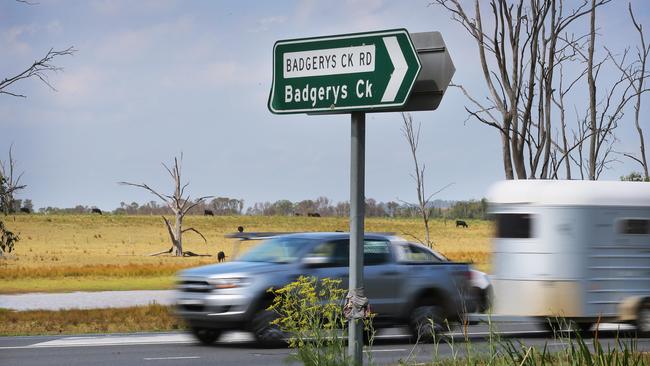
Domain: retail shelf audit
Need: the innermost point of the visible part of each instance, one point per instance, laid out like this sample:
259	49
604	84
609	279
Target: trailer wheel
555	325
643	319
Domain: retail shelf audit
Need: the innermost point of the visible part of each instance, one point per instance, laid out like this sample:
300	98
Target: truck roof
309	235
571	193
338	235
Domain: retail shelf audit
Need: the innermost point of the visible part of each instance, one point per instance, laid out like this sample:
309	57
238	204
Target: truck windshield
277	250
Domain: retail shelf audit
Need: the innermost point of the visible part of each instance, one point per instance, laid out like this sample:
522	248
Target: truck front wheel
265	333
206	336
426	323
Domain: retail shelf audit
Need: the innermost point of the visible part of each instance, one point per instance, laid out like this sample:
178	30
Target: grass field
86	252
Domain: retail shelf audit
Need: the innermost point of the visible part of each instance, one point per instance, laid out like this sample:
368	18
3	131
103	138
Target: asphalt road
237	349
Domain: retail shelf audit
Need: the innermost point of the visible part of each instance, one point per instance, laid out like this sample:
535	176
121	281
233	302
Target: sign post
357	211
359	73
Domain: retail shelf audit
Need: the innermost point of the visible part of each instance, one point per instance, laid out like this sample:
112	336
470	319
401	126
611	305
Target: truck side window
414	253
634	226
515	226
375	252
337	251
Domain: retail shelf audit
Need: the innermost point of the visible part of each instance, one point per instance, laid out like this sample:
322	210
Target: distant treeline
224	206
17	205
221	206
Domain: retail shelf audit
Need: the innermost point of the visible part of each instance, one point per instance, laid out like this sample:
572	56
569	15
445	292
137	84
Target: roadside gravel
85	300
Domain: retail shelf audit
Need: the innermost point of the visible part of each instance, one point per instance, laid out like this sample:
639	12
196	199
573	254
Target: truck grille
204	308
194	286
198	308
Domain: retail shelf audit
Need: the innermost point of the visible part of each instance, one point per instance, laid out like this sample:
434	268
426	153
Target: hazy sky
152	79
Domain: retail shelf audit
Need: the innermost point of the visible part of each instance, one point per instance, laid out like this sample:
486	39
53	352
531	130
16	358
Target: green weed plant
311	313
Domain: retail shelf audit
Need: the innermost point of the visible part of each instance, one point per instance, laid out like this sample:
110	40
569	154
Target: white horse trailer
575	250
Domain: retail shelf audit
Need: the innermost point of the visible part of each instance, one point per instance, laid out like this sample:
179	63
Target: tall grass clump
575	351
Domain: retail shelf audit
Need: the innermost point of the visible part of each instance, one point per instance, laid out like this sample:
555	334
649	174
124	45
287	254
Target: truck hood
214	270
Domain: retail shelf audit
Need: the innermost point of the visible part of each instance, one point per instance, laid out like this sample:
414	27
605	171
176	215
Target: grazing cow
296	214
208	213
25	210
96	211
240	229
221	256
313	214
461	223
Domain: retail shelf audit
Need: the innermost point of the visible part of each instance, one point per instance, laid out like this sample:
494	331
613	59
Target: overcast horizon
152	79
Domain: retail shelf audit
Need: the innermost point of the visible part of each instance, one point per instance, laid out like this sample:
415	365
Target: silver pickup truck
406	283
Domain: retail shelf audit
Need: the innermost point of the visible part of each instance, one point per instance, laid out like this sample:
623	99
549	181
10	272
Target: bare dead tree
603	116
178	204
579	140
10	182
591	82
520	48
39	69
412	136
636	75
563	146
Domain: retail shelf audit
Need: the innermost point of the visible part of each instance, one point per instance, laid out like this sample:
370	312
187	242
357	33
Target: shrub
311	313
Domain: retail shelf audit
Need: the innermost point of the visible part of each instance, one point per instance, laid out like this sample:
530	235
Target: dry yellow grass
135	319
60	252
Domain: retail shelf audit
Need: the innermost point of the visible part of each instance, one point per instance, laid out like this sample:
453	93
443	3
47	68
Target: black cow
240	229
96	211
461	223
221	256
313	214
25	210
208	213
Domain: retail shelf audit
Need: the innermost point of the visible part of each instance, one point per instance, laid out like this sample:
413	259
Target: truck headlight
224	283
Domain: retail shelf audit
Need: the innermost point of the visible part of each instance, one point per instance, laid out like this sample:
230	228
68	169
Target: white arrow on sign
396	78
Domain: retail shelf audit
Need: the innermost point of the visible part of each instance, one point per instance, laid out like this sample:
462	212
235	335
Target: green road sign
351	72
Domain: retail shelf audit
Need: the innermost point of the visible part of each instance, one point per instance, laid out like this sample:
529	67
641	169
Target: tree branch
39	69
143	185
196	231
